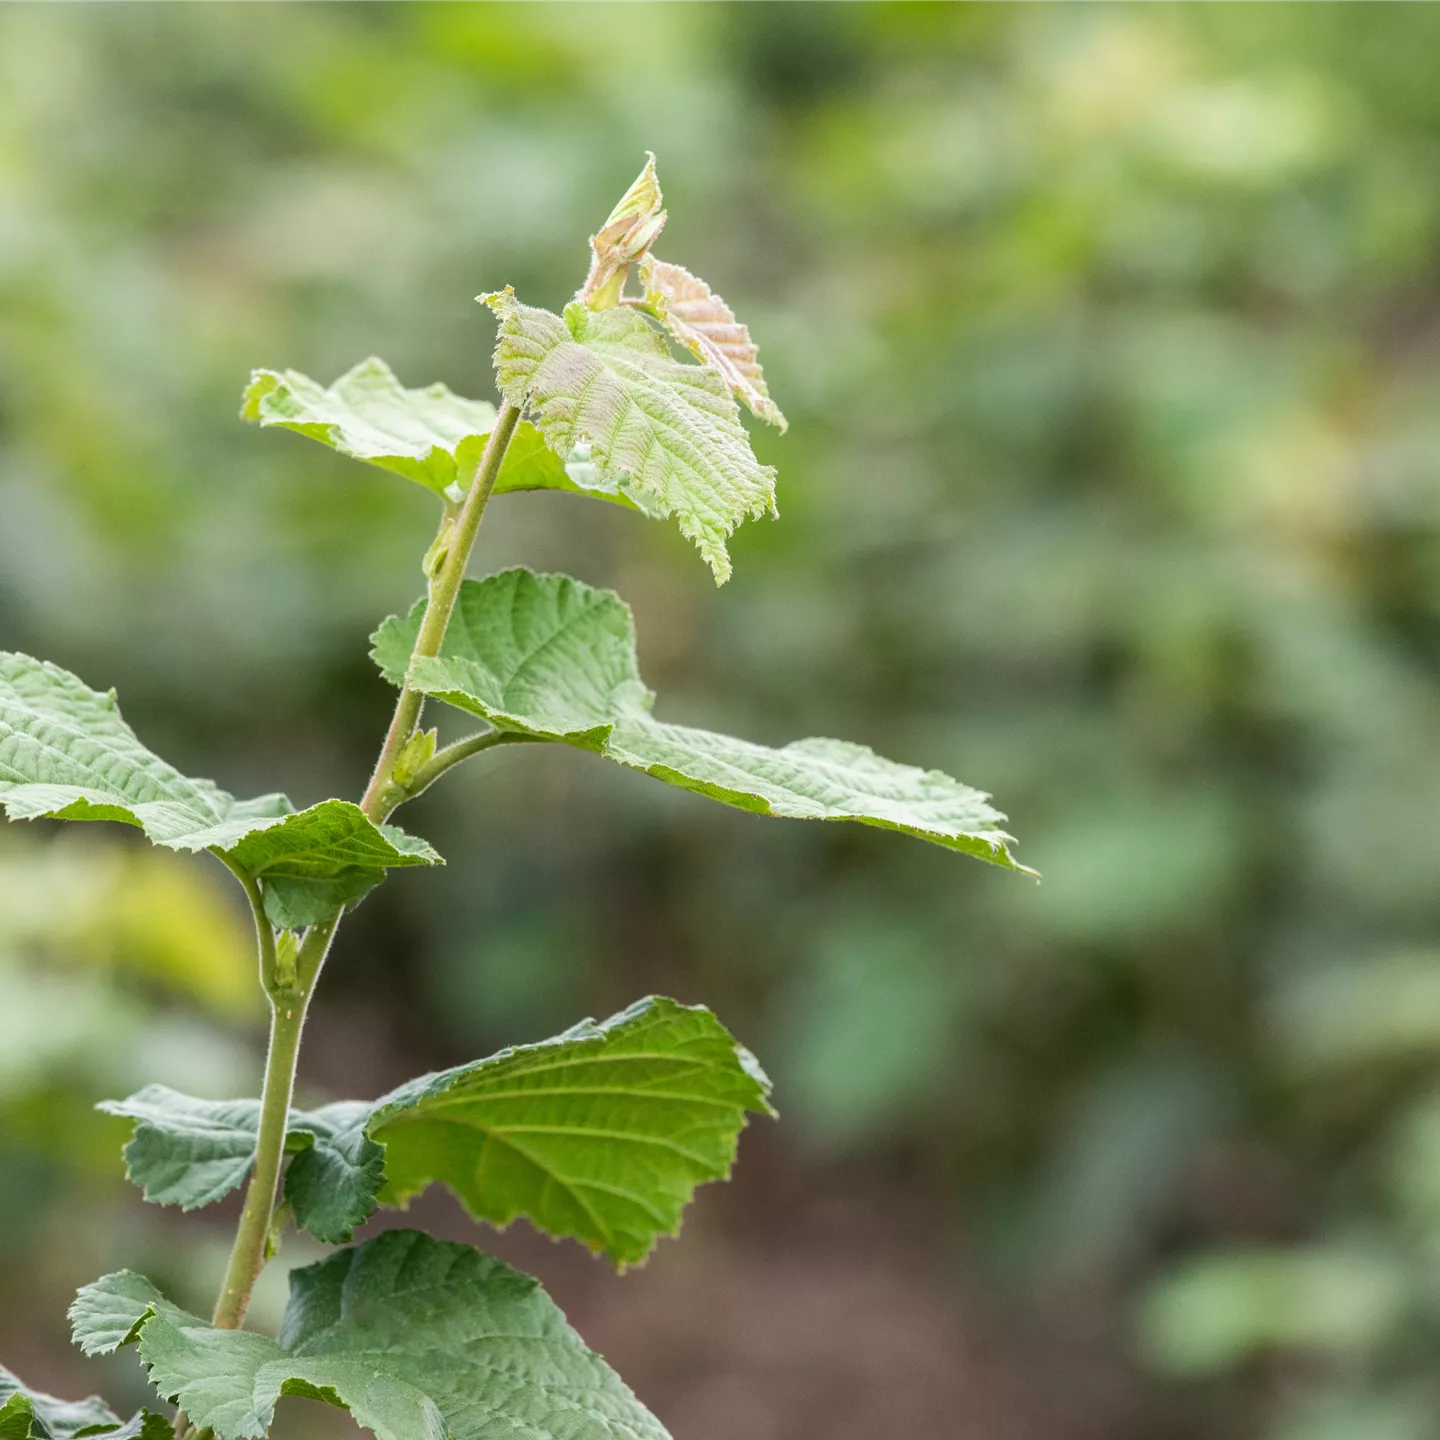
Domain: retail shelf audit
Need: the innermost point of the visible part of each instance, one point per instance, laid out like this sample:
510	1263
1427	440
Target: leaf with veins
697	318
66	753
419	1339
664	433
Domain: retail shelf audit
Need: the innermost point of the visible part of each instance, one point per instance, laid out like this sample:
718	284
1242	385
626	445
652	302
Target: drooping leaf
191	1152
697	318
332	1182
369	415
601	1134
185	1151
544	655
27	1414
431	436
419	1339
324	858
664	433
66	752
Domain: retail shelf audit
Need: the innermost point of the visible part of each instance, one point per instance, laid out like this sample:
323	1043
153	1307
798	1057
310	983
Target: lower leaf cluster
418	1338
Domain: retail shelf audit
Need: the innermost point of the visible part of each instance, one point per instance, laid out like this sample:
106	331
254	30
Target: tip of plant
643	199
262	382
631	229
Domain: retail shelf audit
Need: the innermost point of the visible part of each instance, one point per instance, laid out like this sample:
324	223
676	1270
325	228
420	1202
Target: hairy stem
247	1256
288	1004
382	795
451	755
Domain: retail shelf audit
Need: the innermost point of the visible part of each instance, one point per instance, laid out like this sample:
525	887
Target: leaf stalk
428	773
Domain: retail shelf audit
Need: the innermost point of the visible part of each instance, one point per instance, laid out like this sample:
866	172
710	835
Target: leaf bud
624	238
417	750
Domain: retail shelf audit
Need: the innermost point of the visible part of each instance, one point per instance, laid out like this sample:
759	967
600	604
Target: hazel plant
600	1135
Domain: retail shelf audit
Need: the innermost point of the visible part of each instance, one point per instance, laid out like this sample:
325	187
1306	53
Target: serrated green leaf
697	318
333	1181
65	752
419	1339
190	1152
27	1414
666	434
184	1151
600	1134
431	436
546	656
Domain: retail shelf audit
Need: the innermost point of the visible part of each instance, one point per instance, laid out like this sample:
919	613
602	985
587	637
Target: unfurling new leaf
65	752
697	318
601	1134
545	656
631	229
419	1339
664	433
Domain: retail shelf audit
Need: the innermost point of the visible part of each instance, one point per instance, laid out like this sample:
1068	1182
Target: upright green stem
288	1004
247	1256
382	795
289	993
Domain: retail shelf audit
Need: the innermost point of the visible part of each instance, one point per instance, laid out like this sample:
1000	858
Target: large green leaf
191	1152
600	1134
419	1339
66	752
546	656
665	433
27	1414
431	435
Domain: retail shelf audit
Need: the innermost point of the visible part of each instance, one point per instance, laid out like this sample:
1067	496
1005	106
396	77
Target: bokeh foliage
1107	337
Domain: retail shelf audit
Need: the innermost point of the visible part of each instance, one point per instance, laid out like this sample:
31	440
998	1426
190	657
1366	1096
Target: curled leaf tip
697	318
626	236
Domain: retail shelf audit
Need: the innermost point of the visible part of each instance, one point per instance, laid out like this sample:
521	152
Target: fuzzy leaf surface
65	752
697	318
431	436
191	1152
419	1339
27	1414
664	433
600	1134
547	656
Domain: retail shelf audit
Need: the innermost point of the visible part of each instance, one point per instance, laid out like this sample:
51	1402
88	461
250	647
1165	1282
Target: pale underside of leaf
431	436
666	434
697	318
549	657
419	1339
27	1414
601	1134
65	752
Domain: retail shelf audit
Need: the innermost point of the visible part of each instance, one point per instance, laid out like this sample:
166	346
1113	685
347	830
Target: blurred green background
1110	342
